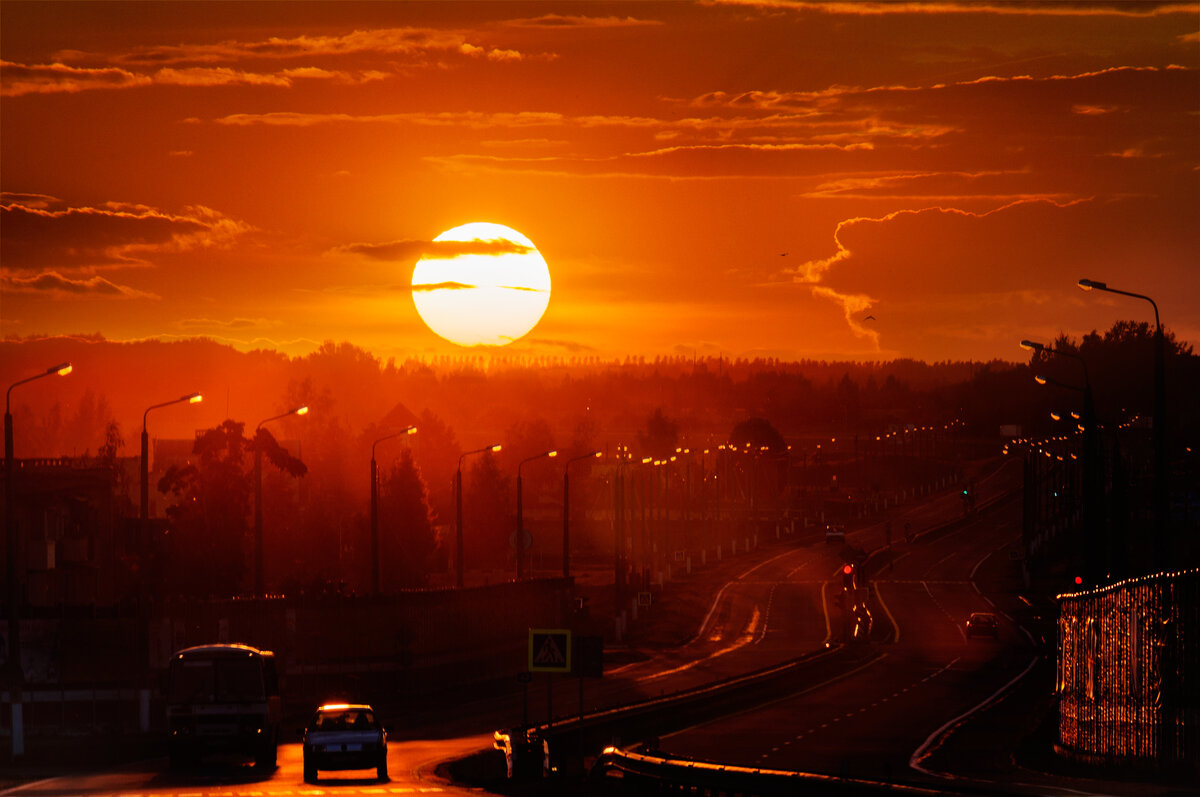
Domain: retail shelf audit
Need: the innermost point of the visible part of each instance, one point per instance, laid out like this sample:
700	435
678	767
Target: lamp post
12	543
520	538
567	510
1161	465
375	564
458	515
259	590
144	513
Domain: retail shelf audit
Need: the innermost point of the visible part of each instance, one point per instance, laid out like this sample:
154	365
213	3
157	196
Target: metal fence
1129	672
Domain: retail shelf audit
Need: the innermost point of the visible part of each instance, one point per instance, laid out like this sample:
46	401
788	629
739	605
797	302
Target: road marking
888	612
938	737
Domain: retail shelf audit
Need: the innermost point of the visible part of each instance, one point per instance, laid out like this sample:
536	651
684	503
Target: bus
223	699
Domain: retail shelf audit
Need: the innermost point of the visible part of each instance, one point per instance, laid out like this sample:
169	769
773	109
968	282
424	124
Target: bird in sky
869	318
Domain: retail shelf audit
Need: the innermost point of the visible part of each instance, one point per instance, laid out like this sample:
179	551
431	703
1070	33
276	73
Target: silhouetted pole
144	513
458	515
520	537
1161	463
259	585
567	511
16	675
376	577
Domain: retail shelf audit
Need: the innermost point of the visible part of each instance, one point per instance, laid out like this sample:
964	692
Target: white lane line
938	737
888	612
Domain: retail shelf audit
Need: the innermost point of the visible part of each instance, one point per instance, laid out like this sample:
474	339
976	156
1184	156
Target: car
983	624
343	736
835	533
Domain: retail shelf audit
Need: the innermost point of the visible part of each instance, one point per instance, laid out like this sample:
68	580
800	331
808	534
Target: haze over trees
317	527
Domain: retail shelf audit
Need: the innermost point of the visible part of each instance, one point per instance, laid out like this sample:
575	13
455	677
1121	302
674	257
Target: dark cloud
442	250
120	234
53	283
441	286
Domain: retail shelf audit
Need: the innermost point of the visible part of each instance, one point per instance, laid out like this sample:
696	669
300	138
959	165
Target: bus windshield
220	680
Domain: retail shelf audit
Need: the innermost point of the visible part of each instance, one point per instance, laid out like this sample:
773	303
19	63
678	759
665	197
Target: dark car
344	736
983	624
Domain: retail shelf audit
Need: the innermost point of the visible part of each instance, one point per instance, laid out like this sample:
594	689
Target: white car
344	736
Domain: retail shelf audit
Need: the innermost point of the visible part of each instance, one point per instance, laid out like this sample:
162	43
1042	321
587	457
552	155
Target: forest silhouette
317	499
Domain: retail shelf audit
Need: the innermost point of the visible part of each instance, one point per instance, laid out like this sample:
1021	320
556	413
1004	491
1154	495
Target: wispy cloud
934	7
410	249
42	232
54	284
19	79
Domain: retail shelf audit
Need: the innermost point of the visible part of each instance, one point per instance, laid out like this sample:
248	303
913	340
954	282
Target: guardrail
562	746
668	773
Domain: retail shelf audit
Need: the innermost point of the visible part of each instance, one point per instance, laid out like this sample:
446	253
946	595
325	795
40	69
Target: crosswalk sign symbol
549	650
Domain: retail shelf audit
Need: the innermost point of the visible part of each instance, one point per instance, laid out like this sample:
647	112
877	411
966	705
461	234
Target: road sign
549	650
643	599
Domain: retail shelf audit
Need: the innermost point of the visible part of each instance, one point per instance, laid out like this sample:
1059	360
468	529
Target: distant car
344	736
983	624
835	533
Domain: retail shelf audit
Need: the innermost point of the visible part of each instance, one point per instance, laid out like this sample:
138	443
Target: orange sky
745	178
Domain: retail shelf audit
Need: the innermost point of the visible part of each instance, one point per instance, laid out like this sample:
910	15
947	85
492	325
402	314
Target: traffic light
848	576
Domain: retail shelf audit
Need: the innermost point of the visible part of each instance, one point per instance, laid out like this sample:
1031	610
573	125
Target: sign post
549	652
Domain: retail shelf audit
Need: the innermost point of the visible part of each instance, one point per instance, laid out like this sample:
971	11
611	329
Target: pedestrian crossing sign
549	650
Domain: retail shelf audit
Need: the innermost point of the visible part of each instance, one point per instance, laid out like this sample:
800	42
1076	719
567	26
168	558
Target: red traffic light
847	569
1078	579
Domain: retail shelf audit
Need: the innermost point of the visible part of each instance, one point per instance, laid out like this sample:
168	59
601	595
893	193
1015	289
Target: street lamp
144	514
520	538
567	511
375	577
1161	467
458	517
10	529
258	521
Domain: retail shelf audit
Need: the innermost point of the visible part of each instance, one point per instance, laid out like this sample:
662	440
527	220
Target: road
779	607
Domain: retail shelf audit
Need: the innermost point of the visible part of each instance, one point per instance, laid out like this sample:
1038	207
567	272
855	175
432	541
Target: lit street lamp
1161	468
567	511
458	517
520	538
375	576
144	514
12	542
1097	544
259	590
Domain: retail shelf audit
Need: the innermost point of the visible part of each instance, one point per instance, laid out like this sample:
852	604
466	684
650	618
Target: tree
489	516
758	432
660	437
209	527
406	534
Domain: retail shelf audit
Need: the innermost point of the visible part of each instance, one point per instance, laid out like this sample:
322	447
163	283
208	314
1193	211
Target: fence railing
1129	672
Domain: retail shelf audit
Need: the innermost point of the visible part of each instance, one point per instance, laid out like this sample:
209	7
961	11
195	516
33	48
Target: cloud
441	286
19	79
232	323
42	232
941	277
562	22
409	249
54	284
946	7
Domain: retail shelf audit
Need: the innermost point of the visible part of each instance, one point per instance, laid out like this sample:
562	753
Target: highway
867	724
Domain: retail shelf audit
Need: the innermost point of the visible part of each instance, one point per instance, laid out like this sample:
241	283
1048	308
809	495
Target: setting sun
482	284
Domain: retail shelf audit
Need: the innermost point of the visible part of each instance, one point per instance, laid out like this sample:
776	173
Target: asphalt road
778	607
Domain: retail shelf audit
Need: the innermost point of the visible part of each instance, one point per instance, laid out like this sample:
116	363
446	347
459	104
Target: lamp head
1041	380
1054	416
411	430
552	454
194	398
1087	284
647	460
62	369
495	448
597	454
301	410
1031	345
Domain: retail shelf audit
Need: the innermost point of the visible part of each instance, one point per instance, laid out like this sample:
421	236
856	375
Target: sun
481	284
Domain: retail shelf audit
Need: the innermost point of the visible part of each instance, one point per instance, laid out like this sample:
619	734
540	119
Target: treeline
319	530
